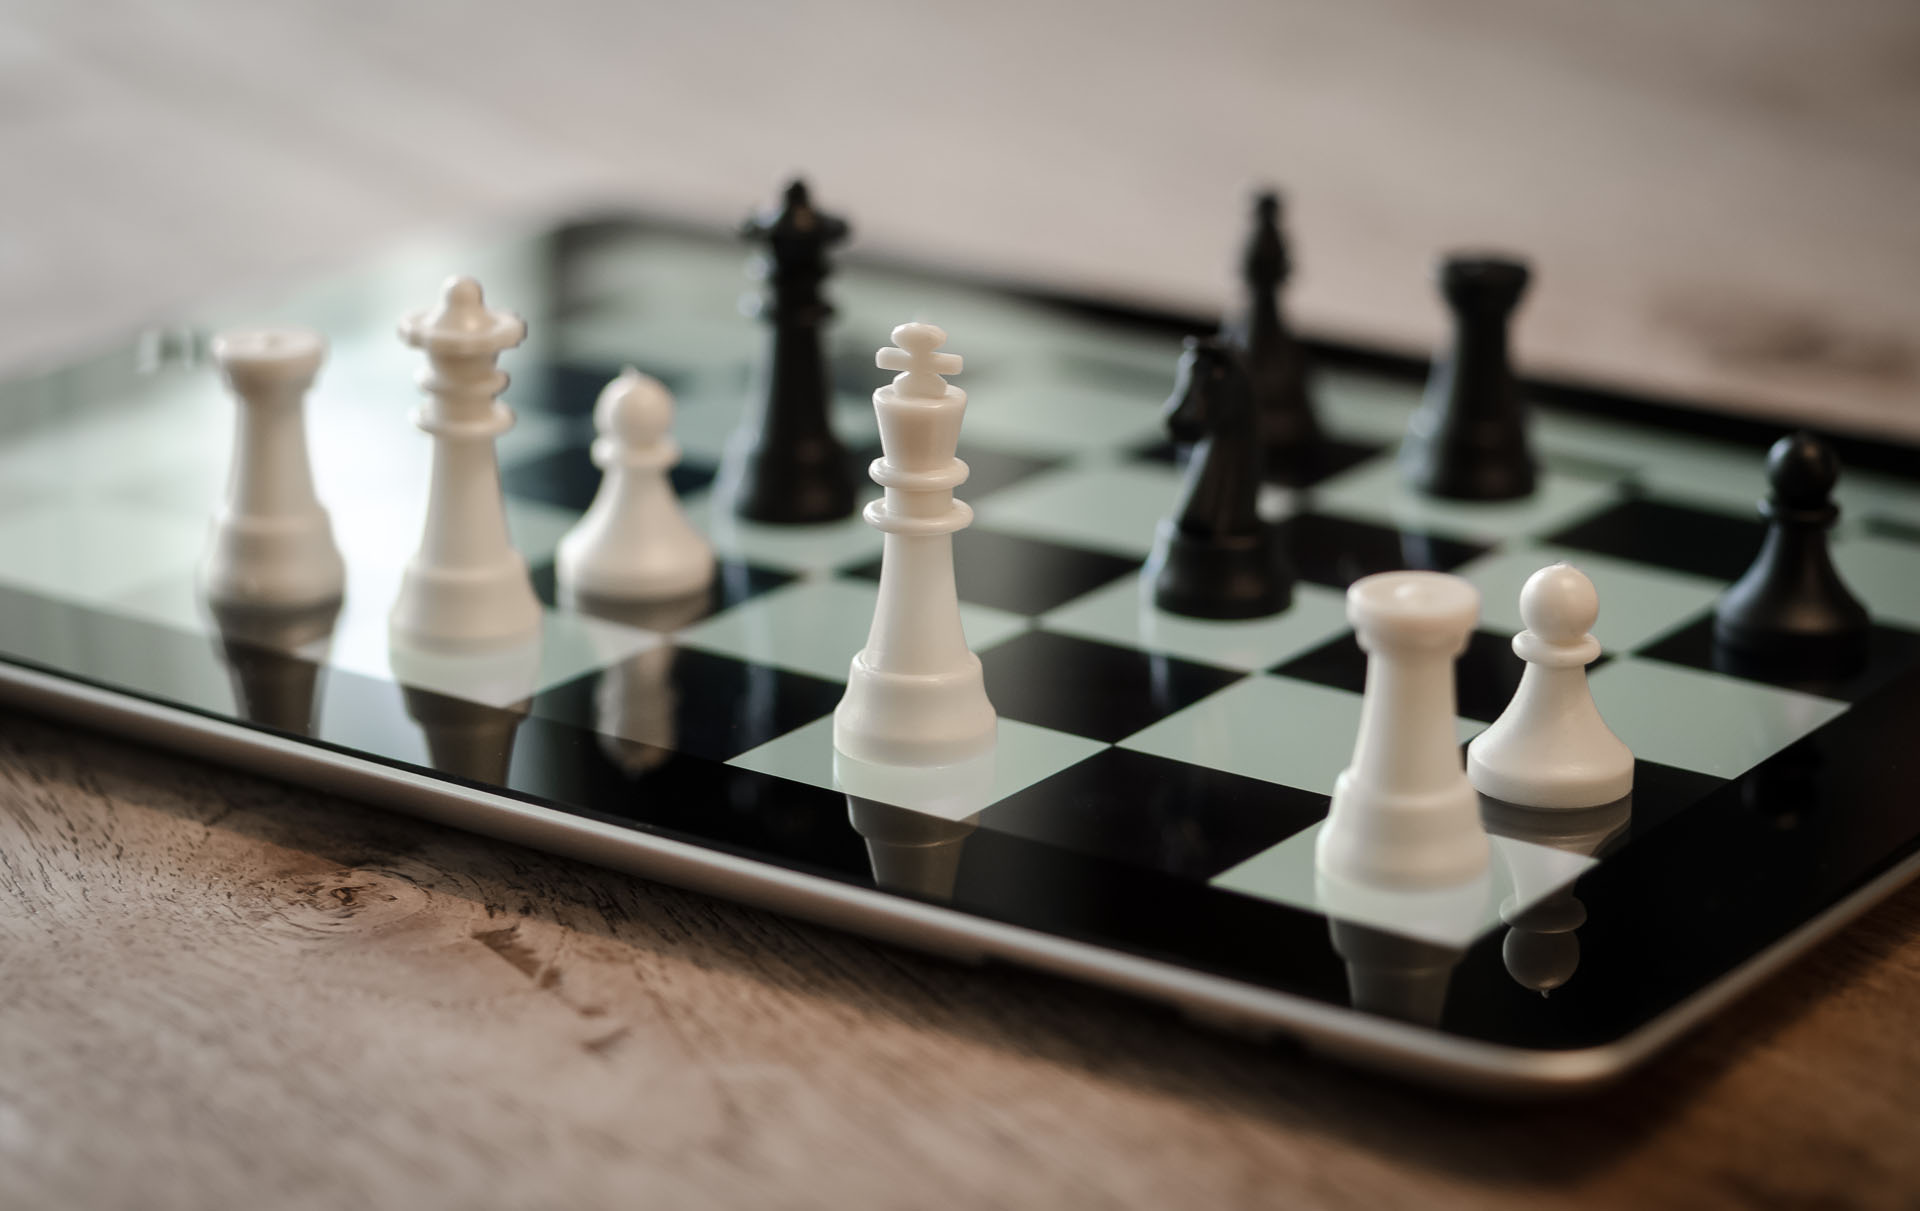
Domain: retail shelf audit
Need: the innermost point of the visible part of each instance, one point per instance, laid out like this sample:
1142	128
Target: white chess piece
1404	815
1550	748
466	586
634	544
272	544
915	694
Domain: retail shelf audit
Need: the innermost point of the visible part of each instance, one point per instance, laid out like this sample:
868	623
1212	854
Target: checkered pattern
1202	749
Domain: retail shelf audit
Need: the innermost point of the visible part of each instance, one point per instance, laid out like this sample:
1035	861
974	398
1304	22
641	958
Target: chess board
1149	817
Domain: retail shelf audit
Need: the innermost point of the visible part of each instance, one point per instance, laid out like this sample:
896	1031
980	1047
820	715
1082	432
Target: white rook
1404	815
271	545
466	585
915	694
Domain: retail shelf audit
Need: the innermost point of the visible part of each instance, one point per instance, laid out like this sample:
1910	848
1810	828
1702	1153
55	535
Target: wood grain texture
217	991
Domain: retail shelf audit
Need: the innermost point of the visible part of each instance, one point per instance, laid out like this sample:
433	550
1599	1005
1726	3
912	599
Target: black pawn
1468	438
1791	608
784	463
1215	558
1289	431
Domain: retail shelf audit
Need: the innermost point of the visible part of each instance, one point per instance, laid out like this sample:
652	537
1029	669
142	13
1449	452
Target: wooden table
217	991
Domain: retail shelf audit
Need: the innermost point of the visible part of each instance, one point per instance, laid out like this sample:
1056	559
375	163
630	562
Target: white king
915	695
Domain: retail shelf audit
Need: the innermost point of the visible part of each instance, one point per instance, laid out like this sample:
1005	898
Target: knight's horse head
1206	389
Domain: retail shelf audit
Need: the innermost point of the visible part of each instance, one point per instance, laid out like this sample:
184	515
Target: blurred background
1721	197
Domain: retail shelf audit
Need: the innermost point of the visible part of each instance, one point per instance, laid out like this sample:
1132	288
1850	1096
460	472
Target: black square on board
1893	527
1667	535
1335	456
1485	676
690	701
733	583
1152	811
989	470
569	479
1891	652
1024	575
1660	792
1336	551
624	780
1092	689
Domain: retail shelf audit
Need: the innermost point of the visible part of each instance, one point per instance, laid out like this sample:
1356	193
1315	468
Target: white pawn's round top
462	325
1559	604
634	409
270	354
1412	609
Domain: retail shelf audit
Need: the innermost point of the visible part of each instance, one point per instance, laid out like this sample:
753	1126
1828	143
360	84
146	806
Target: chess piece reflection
1542	947
465	736
911	851
635	705
1394	975
915	819
1386	936
272	685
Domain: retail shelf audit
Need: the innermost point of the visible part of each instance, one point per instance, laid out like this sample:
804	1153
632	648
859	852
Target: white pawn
634	544
272	545
1550	747
1404	816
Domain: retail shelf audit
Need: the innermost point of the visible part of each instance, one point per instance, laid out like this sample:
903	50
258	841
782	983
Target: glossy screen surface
1158	781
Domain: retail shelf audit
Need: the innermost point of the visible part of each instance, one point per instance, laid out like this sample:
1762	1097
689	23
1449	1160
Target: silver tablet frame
1378	1043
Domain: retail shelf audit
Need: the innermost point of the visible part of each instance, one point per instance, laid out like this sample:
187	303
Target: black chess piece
1215	558
1790	608
1468	438
784	463
1290	435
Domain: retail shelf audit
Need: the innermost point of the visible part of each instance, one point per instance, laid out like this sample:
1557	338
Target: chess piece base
459	608
806	483
914	719
1225	578
284	562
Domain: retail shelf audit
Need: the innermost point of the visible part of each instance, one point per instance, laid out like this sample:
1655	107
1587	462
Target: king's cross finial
915	353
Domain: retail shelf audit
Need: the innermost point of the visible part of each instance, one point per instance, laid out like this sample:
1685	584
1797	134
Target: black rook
1468	439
